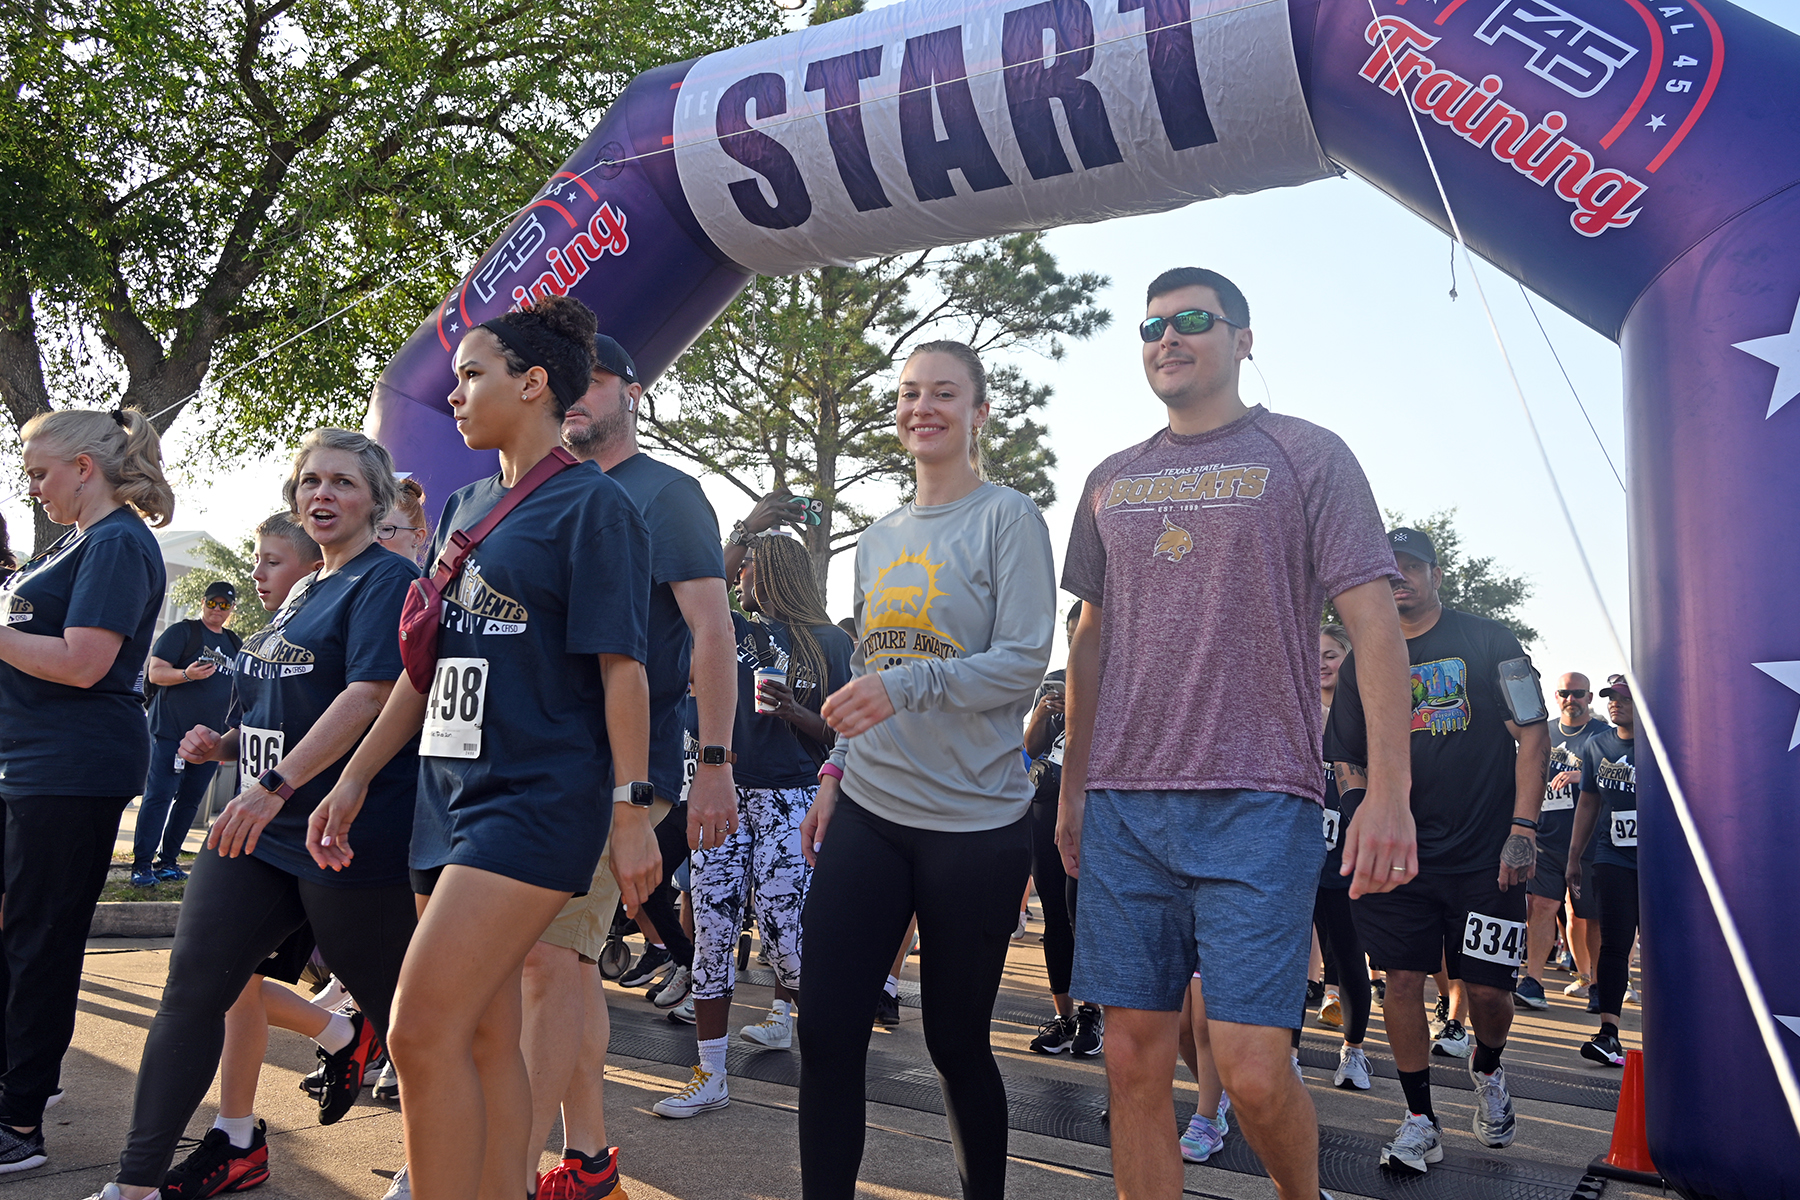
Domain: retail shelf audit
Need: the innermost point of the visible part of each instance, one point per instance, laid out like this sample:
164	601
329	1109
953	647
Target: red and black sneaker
344	1070
583	1178
216	1166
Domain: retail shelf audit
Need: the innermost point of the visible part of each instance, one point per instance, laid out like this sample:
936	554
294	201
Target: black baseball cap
609	356
221	590
1411	541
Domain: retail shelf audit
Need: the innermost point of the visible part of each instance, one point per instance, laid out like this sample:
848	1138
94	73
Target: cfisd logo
1174	544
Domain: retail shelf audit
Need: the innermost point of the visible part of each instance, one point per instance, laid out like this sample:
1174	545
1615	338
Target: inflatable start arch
1634	161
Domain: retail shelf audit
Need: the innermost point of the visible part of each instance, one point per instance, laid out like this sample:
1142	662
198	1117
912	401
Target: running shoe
1315	992
887	1010
55	1099
1453	1042
645	968
683	1013
1631	995
674	989
703	1093
344	1070
579	1177
1579	988
1440	1016
1054	1036
773	1032
333	994
401	1186
1418	1143
1018	935
1352	1069
216	1166
1530	994
143	879
21	1151
387	1084
1331	1013
1604	1049
170	874
1202	1140
1493	1109
1564	961
1593	1004
1090	1031
313	1082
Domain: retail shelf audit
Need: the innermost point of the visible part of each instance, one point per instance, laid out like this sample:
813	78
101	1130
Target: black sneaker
644	969
1315	992
216	1166
1090	1031
1054	1036
344	1070
21	1151
1440	1015
1604	1049
887	1010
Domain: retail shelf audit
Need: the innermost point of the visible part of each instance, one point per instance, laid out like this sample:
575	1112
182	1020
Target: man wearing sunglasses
190	674
1203	558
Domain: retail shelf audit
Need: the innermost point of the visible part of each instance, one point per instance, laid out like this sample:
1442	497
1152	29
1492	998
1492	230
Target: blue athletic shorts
1218	881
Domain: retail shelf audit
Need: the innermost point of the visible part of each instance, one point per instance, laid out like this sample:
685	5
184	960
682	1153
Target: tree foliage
792	386
186	184
234	567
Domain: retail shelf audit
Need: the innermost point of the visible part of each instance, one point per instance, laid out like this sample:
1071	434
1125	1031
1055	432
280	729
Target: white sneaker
387	1084
1631	996
773	1032
1352	1069
1294	1061
1453	1042
401	1188
675	988
1493	1109
331	995
703	1093
1416	1144
1578	988
1019	933
111	1192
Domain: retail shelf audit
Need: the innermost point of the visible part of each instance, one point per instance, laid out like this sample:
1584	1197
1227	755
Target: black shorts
290	958
1554	830
424	881
1463	921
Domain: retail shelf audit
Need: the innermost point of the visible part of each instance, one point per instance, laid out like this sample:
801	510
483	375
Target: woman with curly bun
74	742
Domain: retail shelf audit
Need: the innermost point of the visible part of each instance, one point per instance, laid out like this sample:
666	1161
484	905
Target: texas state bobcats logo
1174	544
896	615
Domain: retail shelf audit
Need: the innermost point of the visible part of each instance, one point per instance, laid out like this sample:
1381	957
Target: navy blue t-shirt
1609	767
565	577
58	740
331	633
179	708
770	752
1556	821
684	545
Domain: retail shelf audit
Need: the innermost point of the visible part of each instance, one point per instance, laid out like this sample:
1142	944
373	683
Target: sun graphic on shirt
902	593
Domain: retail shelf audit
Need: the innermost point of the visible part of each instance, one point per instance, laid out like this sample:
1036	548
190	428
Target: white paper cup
769	673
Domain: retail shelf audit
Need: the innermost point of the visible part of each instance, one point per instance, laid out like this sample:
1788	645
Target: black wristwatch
638	795
271	781
716	756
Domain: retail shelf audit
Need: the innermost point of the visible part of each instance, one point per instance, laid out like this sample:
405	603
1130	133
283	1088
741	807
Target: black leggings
234	913
872	875
671	839
1056	892
1617	888
1343	949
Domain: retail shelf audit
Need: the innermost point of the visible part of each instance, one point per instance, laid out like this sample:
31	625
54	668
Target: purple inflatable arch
1632	161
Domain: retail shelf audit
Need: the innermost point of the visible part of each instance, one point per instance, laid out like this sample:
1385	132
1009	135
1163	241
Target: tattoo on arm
1350	776
1519	853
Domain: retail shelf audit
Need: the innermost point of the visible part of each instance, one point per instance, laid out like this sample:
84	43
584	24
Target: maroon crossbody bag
422	615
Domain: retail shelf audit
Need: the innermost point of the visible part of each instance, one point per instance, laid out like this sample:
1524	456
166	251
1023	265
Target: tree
1473	585
187	183
787	388
234	567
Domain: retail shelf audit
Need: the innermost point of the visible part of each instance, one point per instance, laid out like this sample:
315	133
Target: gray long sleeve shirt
956	607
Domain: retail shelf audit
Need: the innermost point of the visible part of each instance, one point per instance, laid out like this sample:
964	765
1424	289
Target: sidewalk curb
134	918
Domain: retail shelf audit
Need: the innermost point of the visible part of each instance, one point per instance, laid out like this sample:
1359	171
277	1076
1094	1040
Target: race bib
690	762
259	750
1495	940
1624	827
454	709
1558	800
1332	817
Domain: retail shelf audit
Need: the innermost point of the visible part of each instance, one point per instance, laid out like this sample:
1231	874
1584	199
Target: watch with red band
271	781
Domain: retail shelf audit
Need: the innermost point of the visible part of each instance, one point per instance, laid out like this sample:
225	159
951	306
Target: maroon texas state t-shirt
1212	557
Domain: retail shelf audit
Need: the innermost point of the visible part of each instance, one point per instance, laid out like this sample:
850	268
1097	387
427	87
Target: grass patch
118	887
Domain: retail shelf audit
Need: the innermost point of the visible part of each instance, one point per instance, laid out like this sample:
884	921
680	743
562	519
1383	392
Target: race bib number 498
1493	939
455	708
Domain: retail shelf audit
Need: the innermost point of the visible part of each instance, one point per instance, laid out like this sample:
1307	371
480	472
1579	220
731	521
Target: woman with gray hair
310	684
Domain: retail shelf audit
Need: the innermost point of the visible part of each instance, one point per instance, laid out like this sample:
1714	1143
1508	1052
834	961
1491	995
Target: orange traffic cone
1629	1156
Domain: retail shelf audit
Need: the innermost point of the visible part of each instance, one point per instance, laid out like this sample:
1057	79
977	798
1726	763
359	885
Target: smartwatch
716	756
638	795
271	781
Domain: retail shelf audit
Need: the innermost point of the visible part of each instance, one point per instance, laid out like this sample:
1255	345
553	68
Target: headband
517	341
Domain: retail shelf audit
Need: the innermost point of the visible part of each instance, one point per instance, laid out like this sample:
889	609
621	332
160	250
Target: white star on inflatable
1793	1023
1788	675
1782	351
1655	122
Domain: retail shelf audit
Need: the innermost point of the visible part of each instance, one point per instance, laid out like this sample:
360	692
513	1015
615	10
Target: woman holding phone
922	806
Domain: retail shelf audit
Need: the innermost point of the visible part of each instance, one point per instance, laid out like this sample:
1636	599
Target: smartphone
1054	685
1524	697
815	509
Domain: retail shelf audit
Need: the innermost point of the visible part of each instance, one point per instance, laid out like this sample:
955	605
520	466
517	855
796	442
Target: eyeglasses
386	532
224	604
1569	694
1190	321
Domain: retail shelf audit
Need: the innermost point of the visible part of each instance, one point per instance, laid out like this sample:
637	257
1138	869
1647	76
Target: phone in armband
1524	697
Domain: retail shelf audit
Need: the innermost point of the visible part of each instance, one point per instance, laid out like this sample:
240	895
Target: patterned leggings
764	853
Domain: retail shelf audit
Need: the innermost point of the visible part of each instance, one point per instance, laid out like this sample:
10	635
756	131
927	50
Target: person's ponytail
122	444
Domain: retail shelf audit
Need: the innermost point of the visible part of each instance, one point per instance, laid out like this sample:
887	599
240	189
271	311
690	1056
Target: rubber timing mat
1069	1111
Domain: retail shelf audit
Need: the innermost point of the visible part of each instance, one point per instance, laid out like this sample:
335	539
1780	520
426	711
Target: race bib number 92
1624	827
455	708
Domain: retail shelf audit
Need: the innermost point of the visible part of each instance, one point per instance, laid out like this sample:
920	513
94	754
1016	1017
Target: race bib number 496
455	708
1493	939
259	750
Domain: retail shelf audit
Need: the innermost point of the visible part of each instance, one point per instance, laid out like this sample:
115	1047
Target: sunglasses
1569	694
1191	321
224	604
386	532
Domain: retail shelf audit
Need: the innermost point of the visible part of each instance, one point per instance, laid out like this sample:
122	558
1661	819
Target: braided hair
786	592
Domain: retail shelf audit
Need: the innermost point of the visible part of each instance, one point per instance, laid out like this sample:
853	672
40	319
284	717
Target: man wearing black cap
691	635
1478	757
190	670
1609	793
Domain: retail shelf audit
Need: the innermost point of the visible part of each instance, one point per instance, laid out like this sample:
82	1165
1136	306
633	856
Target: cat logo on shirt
1174	544
896	613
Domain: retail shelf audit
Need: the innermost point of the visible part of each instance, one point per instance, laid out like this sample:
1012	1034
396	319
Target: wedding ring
1402	870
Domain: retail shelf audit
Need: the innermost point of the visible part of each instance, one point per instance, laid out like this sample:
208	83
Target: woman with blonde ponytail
79	619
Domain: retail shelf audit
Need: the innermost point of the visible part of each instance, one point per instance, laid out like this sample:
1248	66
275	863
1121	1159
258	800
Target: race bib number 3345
455	708
1495	940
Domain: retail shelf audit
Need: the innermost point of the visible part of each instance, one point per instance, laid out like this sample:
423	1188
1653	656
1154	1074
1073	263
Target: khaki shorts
584	921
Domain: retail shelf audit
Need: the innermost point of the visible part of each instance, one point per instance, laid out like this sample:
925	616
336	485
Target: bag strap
461	542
